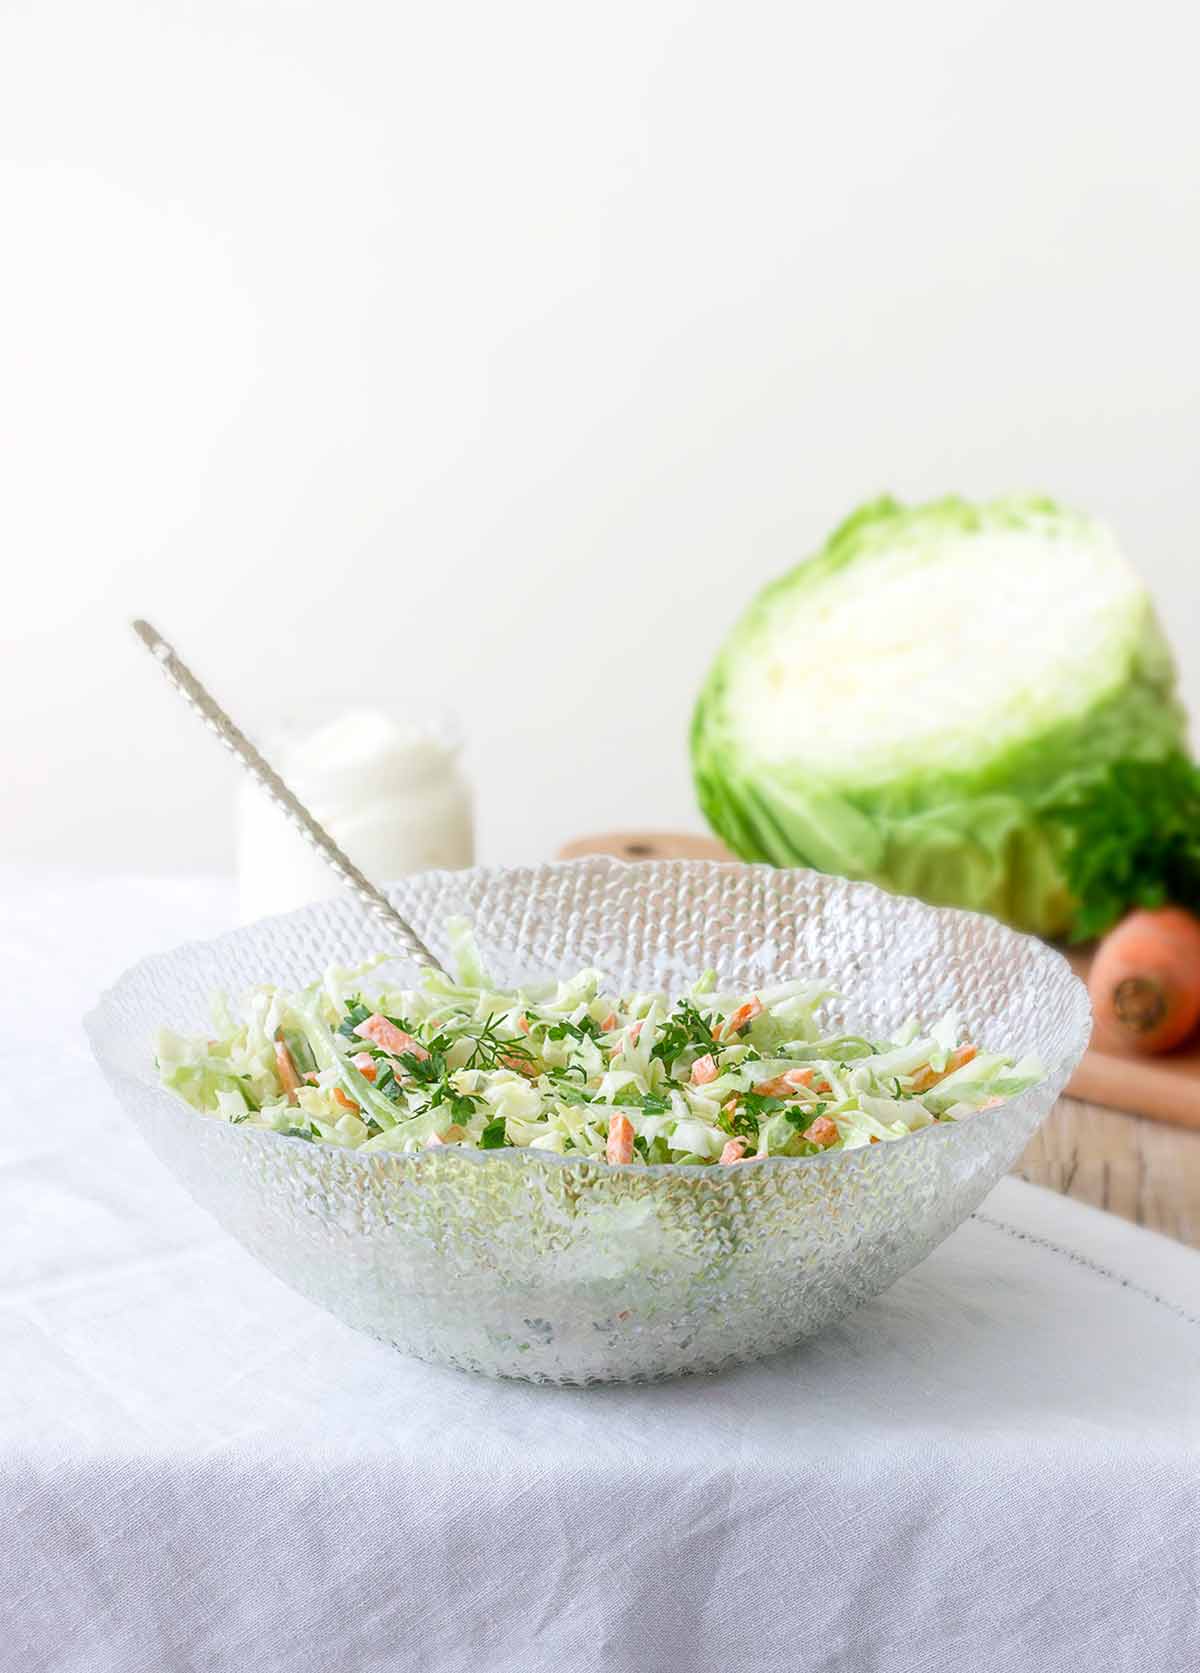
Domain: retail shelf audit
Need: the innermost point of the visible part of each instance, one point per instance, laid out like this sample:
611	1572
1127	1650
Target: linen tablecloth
996	1465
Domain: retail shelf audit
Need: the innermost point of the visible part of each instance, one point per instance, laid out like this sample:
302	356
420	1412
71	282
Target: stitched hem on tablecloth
1086	1261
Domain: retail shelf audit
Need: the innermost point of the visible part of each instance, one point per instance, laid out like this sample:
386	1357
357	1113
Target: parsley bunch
1136	842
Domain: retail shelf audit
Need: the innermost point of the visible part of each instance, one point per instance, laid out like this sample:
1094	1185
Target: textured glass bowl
521	1263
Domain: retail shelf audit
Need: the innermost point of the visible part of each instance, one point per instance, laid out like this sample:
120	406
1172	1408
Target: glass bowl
525	1264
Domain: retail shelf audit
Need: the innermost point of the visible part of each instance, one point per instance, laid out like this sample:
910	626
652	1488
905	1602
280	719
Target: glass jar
391	793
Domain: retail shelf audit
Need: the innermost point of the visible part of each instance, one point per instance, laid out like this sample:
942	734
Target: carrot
1145	981
787	1086
924	1078
704	1069
780	1087
453	1135
740	1018
288	1078
383	1033
619	1148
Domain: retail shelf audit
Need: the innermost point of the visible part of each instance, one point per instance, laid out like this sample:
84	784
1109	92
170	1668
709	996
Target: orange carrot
704	1069
453	1135
619	1148
777	1088
924	1078
288	1078
1145	981
744	1014
383	1033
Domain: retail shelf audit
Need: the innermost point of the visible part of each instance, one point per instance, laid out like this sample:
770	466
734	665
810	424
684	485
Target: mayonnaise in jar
391	793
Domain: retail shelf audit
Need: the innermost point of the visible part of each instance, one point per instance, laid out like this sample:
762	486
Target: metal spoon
268	780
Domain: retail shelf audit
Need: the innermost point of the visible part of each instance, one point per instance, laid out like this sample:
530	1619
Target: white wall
494	353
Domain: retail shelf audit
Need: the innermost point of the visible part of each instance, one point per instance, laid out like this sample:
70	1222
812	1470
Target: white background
493	354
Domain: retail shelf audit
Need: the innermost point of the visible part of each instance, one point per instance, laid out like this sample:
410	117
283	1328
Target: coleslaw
713	1077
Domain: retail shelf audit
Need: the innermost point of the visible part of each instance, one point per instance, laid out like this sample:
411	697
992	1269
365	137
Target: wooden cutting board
1166	1088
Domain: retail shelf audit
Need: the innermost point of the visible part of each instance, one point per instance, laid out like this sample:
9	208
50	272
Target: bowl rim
524	1155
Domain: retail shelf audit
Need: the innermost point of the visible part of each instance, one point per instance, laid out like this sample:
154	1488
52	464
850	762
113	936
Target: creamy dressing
391	793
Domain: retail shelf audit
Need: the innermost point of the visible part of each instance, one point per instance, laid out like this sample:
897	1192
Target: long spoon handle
268	780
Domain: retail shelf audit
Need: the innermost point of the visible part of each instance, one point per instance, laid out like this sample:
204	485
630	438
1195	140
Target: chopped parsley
652	1103
427	1071
356	1013
687	1030
802	1119
587	1028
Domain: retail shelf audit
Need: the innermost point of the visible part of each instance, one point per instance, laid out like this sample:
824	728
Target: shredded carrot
744	1014
786	1086
929	1076
288	1078
384	1033
620	1139
704	1069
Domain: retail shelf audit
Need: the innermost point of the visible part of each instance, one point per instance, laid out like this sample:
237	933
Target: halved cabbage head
910	703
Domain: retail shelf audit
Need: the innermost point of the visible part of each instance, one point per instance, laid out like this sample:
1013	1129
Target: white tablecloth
994	1466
